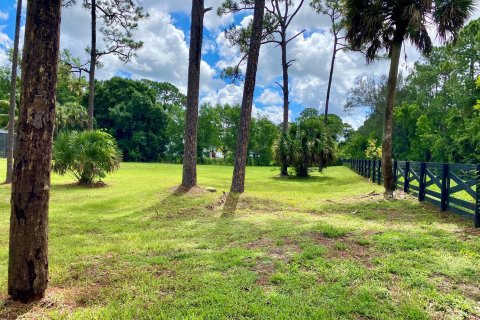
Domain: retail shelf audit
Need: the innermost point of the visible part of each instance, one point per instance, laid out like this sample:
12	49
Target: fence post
379	173
395	170
406	184
369	169
422	182
445	186
477	204
374	169
362	164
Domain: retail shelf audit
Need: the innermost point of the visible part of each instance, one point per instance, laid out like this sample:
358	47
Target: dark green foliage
173	103
263	134
435	118
4	107
87	155
70	116
129	111
4	83
309	142
217	130
218	127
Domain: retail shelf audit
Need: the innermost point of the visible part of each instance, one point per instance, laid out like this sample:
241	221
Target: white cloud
229	94
4	15
273	113
270	97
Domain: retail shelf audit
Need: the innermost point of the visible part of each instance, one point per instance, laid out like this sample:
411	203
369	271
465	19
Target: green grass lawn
327	247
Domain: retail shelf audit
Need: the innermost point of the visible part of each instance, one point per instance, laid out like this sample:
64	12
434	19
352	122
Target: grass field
327	247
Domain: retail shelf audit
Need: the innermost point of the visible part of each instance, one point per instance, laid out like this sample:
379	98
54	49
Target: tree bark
13	91
93	64
286	102
330	78
28	258
327	100
387	171
189	178
238	179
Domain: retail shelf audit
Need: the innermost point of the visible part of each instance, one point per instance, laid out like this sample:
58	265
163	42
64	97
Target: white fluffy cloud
4	15
269	96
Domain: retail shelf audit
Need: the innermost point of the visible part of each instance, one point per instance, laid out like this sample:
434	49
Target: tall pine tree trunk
238	179
286	102
327	100
28	254
93	65
387	169
330	79
189	178
13	92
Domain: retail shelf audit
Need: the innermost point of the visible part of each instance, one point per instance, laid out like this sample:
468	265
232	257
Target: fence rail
452	187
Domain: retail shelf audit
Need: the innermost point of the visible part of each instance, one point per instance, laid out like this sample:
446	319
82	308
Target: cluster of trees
435	117
135	115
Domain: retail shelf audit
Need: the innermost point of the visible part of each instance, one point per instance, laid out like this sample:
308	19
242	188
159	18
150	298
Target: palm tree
238	179
380	24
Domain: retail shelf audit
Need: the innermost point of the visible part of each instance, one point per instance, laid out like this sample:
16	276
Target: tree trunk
93	64
327	100
387	171
13	91
330	77
286	102
238	179
28	258
189	178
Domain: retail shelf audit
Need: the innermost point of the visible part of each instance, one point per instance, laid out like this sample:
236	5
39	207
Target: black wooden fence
453	187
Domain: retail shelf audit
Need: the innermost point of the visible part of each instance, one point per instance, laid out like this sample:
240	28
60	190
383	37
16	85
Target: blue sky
164	57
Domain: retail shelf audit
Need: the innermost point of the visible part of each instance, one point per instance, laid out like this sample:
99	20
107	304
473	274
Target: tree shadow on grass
78	186
230	205
399	213
309	179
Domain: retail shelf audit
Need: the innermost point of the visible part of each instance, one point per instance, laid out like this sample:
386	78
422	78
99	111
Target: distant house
3	142
213	153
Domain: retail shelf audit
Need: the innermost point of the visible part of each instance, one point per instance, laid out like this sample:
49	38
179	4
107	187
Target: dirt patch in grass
162	272
58	298
181	190
259	243
233	203
447	285
259	204
345	248
264	271
273	253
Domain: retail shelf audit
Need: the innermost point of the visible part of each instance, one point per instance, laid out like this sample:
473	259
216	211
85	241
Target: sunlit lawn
326	247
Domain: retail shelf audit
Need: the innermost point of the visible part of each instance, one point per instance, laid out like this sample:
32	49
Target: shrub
87	155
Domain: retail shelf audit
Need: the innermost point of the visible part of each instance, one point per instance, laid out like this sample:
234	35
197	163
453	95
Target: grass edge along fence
452	187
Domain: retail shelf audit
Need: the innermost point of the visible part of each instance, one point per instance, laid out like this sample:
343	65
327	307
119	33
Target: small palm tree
380	24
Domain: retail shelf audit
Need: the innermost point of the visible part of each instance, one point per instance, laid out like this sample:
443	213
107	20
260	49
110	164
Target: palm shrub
307	144
386	24
87	155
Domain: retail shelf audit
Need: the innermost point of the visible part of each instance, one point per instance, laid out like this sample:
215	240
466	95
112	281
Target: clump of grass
330	231
278	278
340	246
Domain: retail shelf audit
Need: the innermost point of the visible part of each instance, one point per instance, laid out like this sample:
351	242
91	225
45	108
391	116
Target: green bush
87	155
